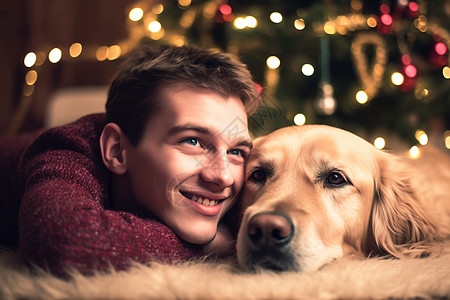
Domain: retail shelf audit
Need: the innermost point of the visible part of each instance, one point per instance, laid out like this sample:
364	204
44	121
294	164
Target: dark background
395	112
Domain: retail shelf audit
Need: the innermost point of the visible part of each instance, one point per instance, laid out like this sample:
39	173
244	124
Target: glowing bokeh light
276	17
154	26
386	19
422	137
442	60
102	53
178	41
114	52
299	24
329	28
187	19
273	62
397	78
158	9
406	59
75	50
447	139
30	59
225	9
379	143
356	4
413	6
384	8
372	22
418	134
410	71
209	10
421	93
446	72
239	23
307	69
157	35
299	119
136	14
414	152
28	90
361	97
55	55
248	21
251	22
40	58
440	48
184	3
31	77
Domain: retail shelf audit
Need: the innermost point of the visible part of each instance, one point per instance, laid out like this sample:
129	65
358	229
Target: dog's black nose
270	230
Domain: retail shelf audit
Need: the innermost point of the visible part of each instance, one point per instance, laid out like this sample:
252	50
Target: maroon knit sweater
64	222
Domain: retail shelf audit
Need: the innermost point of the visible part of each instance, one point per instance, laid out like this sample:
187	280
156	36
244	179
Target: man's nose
216	169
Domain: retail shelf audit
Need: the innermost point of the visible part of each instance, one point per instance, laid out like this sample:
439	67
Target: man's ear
112	148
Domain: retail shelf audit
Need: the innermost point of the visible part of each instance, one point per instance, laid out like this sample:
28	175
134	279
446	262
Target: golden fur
346	278
387	204
388	208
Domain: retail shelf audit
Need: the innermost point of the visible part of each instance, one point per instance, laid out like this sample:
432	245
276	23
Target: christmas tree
369	67
376	68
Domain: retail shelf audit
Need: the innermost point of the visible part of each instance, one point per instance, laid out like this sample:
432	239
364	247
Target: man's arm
63	223
63	227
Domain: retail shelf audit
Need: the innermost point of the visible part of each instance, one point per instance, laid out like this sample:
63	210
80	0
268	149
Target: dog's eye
335	179
258	175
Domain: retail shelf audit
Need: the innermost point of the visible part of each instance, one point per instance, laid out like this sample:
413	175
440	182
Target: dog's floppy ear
399	225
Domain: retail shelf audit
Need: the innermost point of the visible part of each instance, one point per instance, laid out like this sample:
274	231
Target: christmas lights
299	119
379	143
145	20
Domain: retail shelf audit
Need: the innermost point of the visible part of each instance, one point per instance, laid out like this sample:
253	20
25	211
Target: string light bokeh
146	20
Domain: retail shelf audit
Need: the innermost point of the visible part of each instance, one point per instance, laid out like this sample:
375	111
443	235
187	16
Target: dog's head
313	194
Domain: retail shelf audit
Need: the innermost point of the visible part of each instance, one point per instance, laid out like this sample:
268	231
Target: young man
151	180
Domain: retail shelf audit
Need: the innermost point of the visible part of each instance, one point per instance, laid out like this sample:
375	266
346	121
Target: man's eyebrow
245	143
199	129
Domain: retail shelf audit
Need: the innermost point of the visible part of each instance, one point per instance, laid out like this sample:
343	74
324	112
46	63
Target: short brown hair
137	89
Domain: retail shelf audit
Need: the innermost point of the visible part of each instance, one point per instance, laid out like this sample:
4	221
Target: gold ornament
370	76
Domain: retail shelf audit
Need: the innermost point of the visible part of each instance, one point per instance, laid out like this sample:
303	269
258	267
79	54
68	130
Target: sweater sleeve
63	224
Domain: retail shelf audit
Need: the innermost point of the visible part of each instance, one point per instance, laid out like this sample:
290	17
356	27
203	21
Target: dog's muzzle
270	235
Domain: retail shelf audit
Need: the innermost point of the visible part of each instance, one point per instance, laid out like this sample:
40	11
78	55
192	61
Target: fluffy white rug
347	278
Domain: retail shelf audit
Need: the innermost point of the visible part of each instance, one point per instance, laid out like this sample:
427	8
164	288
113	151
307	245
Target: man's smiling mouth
201	200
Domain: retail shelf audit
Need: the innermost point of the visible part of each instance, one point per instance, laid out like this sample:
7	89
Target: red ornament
410	71
386	19
225	9
384	8
440	48
413	6
406	59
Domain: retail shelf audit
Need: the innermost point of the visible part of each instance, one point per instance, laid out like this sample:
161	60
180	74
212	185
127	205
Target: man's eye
236	152
335	179
191	141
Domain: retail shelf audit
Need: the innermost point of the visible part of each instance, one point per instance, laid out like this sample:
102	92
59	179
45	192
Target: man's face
188	167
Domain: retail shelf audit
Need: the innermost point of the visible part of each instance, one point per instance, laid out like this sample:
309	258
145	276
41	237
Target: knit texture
64	222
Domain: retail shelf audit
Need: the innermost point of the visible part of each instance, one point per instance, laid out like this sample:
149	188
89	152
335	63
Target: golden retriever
317	193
